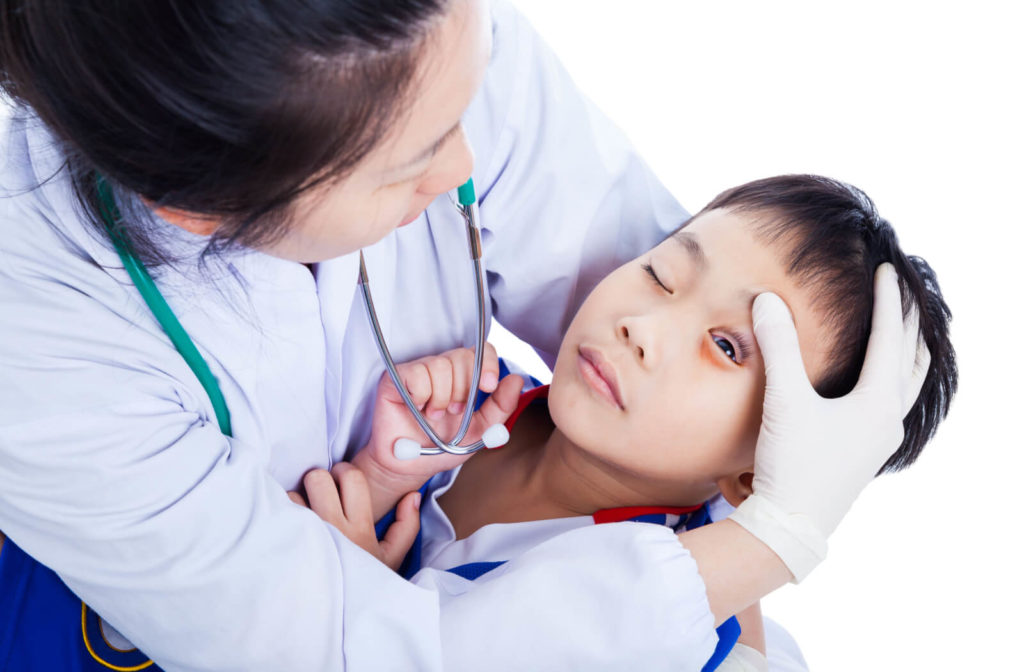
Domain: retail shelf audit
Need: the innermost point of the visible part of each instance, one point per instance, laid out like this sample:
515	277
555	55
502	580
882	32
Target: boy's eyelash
743	343
654	277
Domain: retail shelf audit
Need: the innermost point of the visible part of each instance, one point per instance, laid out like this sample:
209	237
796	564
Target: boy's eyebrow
693	248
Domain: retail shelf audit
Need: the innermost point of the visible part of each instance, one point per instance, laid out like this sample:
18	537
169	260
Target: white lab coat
113	470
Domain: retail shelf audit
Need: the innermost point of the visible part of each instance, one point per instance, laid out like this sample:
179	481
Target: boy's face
688	375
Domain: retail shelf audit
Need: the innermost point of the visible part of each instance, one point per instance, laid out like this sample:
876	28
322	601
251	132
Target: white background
920	105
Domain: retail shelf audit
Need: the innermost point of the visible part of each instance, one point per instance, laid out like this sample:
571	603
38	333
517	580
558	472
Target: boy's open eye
726	347
735	346
654	277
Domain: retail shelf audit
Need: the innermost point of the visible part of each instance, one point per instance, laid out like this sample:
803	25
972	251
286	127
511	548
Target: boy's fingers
297	498
323	496
462	370
355	493
499	406
440	371
417	382
402	533
489	373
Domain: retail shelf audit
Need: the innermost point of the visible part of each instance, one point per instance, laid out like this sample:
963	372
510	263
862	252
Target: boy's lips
598	372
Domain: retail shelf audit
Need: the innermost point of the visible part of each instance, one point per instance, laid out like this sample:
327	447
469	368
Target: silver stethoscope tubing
495	435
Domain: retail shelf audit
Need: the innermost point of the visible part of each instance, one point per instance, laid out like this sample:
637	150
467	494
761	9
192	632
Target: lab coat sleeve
784	654
629	599
564	197
743	658
171	531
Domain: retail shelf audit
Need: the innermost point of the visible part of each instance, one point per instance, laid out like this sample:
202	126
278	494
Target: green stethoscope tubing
183	343
158	305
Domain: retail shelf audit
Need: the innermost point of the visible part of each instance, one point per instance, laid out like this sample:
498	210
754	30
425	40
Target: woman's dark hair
228	108
834	240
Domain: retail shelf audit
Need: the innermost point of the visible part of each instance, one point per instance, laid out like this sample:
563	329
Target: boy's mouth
599	374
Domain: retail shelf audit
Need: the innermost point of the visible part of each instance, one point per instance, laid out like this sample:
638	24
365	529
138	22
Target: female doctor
252	148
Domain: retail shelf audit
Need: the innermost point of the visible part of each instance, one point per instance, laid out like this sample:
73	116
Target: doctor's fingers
322	493
916	359
354	492
780	348
883	370
402	533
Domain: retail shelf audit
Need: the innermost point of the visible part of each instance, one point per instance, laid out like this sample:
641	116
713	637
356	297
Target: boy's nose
641	337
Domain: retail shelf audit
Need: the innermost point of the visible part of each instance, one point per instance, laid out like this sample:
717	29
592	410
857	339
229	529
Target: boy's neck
539	475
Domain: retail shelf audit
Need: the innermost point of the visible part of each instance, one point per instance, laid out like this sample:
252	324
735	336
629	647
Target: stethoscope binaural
404	449
493	436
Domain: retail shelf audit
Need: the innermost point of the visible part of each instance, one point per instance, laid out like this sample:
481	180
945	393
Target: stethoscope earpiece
494	436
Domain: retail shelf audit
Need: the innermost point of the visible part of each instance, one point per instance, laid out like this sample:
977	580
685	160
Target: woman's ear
203	226
737	487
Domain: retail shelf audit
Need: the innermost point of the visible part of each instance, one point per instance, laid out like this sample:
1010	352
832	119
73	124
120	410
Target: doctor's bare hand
439	386
341	497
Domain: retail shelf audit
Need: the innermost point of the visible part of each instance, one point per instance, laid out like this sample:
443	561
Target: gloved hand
815	455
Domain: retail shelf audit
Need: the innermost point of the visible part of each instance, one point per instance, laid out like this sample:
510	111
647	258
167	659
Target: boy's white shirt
113	471
629	634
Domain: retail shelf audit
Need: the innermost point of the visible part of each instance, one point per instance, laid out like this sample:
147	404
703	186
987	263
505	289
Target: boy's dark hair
228	109
835	240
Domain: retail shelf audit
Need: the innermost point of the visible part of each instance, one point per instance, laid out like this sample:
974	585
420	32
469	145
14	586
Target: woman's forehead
454	58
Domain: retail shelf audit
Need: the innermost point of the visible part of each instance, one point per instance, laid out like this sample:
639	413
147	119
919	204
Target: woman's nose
451	167
641	337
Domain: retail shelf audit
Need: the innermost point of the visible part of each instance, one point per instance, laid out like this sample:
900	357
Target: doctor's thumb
400	536
779	345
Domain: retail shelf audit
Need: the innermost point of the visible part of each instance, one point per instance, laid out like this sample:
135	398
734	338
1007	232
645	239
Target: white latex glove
815	455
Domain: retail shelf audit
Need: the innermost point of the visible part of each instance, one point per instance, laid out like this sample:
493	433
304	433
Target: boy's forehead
734	253
724	238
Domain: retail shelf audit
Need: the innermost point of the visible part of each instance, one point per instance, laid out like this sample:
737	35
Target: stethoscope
404	449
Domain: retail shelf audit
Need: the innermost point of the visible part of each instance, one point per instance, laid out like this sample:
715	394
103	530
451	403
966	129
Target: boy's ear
737	487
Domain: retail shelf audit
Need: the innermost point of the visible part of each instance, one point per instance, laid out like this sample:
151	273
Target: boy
656	399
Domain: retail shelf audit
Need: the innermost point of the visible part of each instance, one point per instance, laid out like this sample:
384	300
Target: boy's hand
439	386
341	497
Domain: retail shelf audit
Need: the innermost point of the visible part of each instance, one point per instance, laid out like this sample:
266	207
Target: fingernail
436	414
456	408
416	501
489	381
